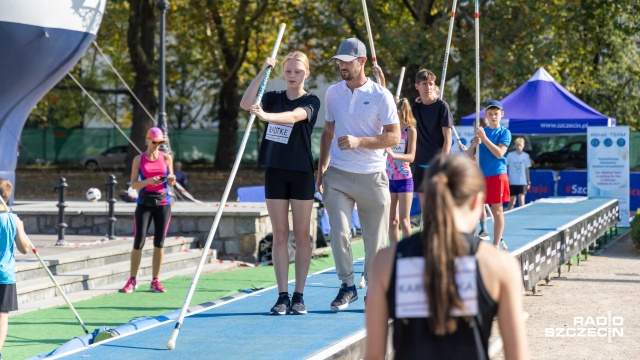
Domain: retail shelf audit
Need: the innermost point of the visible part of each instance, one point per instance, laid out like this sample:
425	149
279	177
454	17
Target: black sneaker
346	295
282	305
297	305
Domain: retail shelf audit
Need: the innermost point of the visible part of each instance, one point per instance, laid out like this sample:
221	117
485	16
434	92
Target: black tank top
413	338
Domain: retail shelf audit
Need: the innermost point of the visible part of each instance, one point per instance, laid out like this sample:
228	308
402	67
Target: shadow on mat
321	286
201	315
336	312
164	349
266	314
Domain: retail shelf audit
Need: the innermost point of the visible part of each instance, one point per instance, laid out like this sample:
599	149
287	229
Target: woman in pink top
151	175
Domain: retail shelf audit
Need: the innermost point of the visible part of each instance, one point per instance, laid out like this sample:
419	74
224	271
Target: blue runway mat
526	224
242	329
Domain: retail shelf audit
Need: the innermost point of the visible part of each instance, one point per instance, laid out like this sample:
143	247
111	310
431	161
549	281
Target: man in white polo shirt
361	120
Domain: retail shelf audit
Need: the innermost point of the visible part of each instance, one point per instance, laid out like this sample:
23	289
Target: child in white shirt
518	164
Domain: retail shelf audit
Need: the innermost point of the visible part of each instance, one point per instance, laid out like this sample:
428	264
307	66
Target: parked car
571	156
111	158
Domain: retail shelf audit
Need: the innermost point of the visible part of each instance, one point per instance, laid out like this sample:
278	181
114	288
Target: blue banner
572	183
634	192
543	185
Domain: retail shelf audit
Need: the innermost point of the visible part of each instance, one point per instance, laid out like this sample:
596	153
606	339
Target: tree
592	46
238	35
215	48
232	24
597	54
141	43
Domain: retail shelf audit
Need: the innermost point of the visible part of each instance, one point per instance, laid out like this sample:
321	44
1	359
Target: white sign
608	166
279	133
411	298
466	135
401	147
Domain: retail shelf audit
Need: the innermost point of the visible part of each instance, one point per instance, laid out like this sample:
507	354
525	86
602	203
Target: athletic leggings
161	216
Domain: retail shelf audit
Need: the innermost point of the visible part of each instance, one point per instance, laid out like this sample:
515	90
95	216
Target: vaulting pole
172	341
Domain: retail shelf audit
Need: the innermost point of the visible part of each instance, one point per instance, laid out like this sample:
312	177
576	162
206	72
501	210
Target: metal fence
72	145
199	146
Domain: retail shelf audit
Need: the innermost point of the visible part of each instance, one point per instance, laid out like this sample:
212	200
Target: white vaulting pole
172	341
373	49
374	61
443	78
399	89
477	123
44	266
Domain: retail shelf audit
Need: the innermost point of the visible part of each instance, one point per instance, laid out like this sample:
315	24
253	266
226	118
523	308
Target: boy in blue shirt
493	142
11	231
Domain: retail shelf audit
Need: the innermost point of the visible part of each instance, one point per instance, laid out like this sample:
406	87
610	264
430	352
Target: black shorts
517	189
418	177
8	298
281	184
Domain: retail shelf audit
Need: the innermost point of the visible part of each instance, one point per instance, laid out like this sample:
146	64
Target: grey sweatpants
342	190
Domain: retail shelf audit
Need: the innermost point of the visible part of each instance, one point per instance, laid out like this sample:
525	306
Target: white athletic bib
411	299
401	147
279	133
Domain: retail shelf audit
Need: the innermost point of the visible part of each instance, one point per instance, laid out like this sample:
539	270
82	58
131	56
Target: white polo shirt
360	113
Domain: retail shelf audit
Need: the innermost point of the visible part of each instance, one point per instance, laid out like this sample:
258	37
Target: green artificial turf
42	331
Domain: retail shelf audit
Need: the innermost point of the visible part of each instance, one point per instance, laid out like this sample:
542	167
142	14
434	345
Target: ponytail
450	182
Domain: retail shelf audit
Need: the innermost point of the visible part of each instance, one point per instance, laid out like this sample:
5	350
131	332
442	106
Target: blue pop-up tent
543	106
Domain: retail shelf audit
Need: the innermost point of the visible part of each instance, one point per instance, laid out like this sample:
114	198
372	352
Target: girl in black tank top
413	337
441	286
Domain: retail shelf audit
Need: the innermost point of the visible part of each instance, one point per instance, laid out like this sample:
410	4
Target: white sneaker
503	244
483	235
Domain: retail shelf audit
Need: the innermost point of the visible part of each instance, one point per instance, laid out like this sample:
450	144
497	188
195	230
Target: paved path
607	282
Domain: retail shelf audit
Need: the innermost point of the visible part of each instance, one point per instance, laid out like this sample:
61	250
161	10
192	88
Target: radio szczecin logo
589	326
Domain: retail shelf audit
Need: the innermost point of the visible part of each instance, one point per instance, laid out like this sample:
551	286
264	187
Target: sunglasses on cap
157	142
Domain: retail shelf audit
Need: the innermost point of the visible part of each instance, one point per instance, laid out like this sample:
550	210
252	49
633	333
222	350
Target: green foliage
635	230
591	47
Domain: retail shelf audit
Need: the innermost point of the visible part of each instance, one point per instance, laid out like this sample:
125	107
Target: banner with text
608	166
466	134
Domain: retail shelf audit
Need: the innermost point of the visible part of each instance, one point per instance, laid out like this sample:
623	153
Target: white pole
44	266
443	78
374	61
477	123
373	49
174	335
399	89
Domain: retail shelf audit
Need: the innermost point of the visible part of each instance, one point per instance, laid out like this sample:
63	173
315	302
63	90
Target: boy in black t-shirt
434	124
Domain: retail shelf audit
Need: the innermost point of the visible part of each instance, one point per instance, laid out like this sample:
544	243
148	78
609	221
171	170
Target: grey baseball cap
351	49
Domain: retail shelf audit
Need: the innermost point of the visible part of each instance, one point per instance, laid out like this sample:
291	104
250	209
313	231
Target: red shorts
497	189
